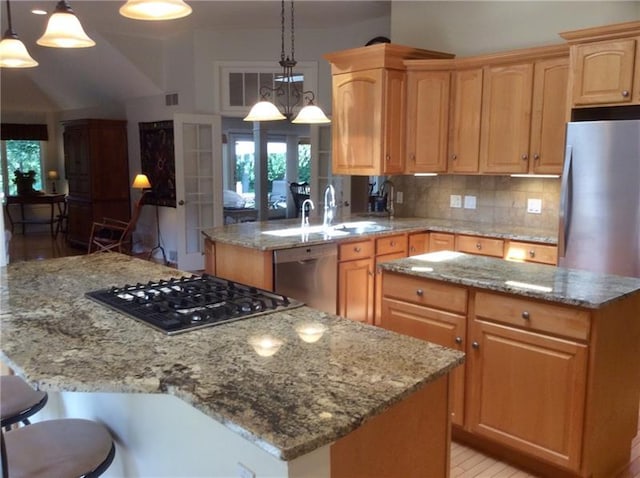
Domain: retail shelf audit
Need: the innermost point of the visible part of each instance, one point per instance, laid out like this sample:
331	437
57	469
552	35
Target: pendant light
64	30
13	53
288	88
155	9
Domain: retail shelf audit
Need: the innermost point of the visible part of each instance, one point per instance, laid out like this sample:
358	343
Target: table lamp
141	181
53	177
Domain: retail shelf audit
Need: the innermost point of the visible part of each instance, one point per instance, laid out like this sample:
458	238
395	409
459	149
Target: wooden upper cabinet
466	109
506	118
369	107
603	72
427	121
548	116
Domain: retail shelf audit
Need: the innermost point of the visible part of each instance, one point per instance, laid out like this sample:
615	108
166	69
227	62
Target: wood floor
465	462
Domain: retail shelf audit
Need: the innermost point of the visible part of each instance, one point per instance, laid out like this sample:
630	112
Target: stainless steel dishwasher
309	274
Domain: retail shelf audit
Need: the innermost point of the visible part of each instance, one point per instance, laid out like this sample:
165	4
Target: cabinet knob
532	253
524	157
420	292
392	243
412	157
625	93
370	274
388	157
454	156
525	315
458	340
478	246
412	249
536	156
475	345
357	249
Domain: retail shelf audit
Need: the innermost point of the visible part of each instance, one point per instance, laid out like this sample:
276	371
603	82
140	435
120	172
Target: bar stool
51	448
18	401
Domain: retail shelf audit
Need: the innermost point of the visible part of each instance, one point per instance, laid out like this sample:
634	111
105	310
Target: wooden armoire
97	169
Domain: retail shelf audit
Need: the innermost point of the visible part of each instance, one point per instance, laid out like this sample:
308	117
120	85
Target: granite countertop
555	284
251	234
305	396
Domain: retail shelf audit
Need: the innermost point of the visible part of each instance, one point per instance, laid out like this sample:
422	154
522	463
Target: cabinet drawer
539	316
349	251
526	251
480	245
391	244
441	241
424	292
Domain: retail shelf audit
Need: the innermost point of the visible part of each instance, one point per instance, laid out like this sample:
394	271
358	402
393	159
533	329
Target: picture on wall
158	162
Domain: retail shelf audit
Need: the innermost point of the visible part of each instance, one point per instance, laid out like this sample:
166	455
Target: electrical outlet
455	200
244	472
399	197
469	202
534	206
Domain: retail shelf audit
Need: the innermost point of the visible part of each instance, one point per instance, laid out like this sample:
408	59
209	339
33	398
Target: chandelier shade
289	89
155	9
64	30
13	53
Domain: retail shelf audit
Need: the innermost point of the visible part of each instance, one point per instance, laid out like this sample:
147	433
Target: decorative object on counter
289	86
53	177
64	30
299	192
13	53
155	10
24	182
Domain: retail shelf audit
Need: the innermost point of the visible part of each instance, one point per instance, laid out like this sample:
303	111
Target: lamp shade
141	181
311	114
264	111
64	30
53	175
155	9
13	53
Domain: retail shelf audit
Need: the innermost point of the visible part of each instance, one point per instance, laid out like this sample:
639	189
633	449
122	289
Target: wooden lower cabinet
356	290
527	390
441	241
418	243
531	252
484	246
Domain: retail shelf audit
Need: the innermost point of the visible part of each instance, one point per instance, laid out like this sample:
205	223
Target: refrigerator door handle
565	202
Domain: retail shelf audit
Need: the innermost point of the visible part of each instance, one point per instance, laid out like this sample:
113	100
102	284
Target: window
23	156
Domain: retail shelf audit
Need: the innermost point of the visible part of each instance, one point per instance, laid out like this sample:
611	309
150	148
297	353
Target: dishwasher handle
304	253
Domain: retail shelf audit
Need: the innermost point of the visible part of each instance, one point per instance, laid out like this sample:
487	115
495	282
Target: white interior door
198	151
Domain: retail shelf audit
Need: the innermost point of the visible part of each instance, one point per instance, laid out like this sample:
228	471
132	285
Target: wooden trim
606	32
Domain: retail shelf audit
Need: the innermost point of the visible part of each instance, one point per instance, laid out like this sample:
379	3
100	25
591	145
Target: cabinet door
355	290
394	119
527	391
418	243
506	119
466	108
427	121
603	72
549	116
377	311
440	327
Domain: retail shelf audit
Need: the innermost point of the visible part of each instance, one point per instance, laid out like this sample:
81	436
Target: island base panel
411	439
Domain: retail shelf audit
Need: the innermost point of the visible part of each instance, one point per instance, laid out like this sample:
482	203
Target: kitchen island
205	402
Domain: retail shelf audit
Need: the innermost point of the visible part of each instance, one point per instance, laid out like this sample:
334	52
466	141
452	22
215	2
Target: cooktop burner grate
188	303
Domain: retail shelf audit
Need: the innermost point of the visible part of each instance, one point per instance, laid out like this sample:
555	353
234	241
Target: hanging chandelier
64	30
288	90
13	53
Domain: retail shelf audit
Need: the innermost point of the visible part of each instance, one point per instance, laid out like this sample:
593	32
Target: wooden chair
300	192
111	235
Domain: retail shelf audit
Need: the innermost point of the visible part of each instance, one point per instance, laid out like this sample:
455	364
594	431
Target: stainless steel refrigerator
600	198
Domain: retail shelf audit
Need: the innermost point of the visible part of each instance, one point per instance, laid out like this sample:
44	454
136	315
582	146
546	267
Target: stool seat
59	448
18	400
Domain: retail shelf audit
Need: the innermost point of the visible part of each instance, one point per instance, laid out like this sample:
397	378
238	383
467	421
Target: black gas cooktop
187	303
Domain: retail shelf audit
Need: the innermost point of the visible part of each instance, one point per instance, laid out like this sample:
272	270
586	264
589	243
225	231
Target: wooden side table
51	199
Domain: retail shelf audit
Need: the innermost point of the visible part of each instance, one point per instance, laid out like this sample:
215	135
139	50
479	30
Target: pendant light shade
155	9
64	30
264	111
311	114
13	53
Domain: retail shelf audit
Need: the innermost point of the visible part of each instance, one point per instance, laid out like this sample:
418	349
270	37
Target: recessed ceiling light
38	11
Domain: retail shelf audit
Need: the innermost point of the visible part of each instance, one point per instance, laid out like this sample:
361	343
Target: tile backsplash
499	199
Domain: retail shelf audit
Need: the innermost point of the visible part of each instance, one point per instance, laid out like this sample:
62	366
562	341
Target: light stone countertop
305	396
251	234
539	281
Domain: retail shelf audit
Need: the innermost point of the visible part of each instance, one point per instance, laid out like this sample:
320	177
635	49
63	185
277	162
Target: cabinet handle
532	253
181	203
475	345
412	156
478	246
625	93
370	273
357	249
536	156
388	157
525	315
412	249
392	243
420	292
524	157
454	156
458	340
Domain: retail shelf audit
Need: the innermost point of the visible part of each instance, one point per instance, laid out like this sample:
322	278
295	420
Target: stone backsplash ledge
499	199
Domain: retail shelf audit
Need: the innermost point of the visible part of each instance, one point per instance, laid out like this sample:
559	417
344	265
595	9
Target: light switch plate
399	197
455	200
469	202
534	206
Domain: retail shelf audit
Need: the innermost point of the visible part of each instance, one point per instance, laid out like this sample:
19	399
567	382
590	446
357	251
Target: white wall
476	27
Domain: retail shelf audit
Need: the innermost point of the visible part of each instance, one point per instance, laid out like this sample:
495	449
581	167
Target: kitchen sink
360	227
342	229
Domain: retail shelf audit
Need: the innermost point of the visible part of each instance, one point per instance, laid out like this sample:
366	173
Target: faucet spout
305	212
388	190
329	205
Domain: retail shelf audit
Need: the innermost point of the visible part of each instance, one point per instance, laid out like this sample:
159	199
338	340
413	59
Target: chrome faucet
305	218
329	205
388	189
